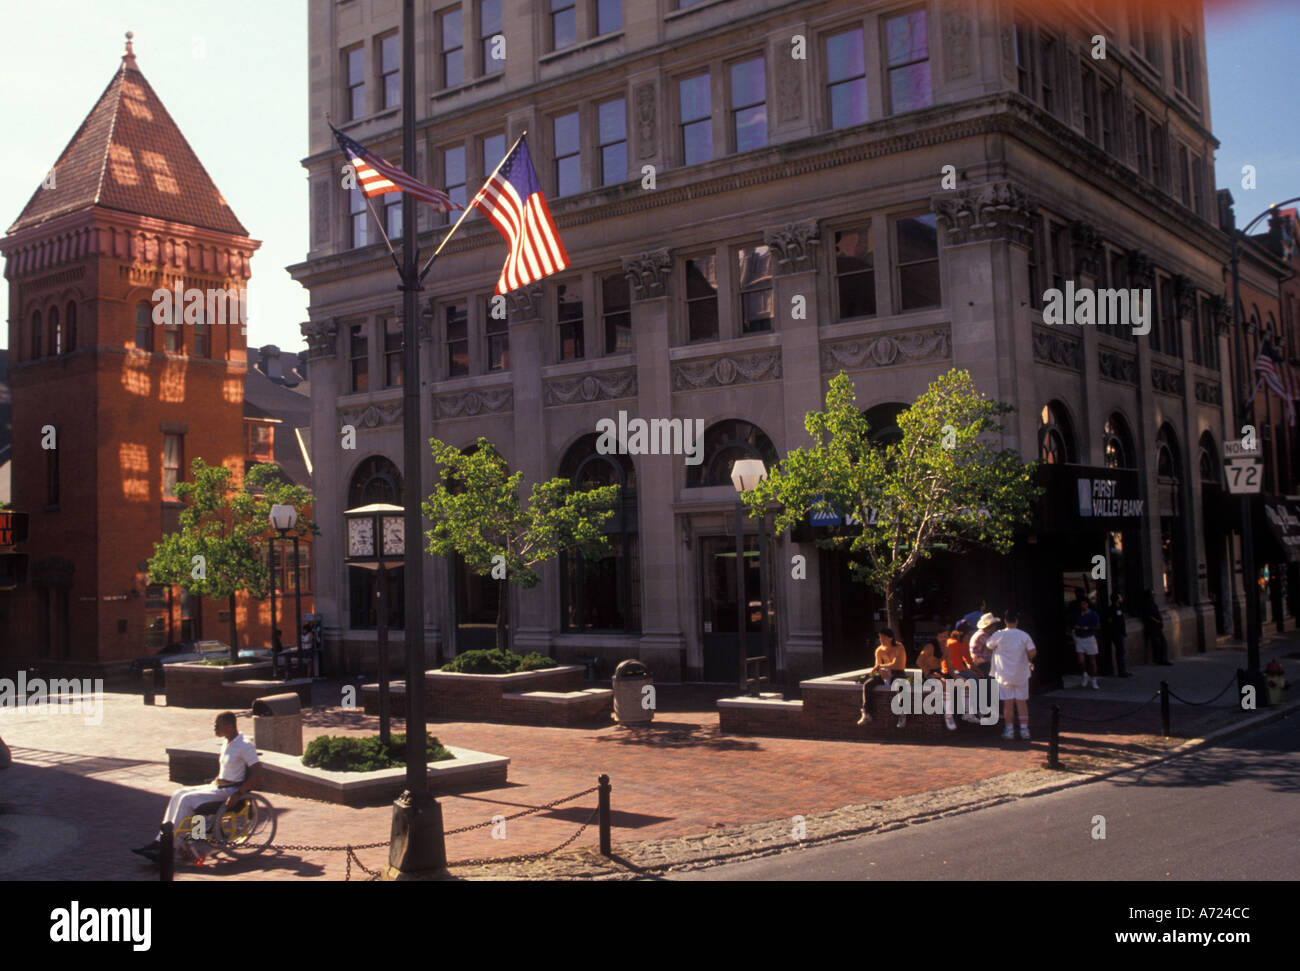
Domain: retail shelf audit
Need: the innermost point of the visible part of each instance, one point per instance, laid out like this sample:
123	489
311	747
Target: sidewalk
78	796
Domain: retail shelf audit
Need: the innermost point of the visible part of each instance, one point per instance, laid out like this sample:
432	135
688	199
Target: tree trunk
502	592
892	611
234	631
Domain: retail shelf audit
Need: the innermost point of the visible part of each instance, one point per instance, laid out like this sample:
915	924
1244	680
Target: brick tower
126	210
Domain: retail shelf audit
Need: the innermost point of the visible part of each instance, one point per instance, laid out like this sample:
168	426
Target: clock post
377	541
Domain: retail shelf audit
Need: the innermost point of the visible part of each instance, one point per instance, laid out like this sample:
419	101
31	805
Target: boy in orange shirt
891	661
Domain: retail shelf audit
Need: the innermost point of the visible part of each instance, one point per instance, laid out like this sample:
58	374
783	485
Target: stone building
754	196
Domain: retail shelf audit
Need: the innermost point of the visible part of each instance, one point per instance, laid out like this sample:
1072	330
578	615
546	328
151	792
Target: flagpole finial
129	57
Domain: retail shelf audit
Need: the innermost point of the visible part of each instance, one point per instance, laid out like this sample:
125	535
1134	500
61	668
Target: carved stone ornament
1117	367
1141	271
1089	254
995	211
789	85
1210	394
320	212
372	416
722	372
601	386
525	303
956	39
648	273
1184	297
644	99
792	245
1222	311
468	404
1058	350
1168	382
1008	53
887	350
321	336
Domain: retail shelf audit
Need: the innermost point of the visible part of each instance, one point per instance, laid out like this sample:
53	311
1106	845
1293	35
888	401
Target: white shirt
237	754
1011	649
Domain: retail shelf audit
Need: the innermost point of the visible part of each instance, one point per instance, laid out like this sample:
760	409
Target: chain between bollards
1164	707
603	804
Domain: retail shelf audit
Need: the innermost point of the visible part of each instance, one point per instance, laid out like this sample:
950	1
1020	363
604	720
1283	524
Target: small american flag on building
375	177
512	199
1281	377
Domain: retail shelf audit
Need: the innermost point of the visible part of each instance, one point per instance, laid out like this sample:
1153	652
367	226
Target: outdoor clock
361	537
394	535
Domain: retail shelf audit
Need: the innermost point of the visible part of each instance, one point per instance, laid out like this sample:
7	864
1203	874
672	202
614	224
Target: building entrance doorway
718	616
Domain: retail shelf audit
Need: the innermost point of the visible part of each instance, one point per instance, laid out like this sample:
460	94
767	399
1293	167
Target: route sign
1245	474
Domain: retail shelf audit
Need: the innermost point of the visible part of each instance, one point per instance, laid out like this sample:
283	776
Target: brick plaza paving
79	796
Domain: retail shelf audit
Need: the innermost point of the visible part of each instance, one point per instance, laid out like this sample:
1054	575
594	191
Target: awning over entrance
1079	498
1278	532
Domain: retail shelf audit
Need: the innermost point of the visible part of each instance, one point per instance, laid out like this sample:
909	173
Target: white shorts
1017	691
1085	645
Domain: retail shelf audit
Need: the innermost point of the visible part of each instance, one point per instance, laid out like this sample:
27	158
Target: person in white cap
980	652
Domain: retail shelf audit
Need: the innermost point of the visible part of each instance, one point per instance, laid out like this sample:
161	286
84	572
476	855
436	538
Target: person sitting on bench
239	773
891	660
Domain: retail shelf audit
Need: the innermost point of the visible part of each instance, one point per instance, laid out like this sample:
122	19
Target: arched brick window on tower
34	347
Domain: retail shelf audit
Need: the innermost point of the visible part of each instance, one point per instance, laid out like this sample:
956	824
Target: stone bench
453	696
562	708
225	686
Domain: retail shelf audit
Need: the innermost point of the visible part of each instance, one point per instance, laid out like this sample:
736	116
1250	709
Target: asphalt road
1229	812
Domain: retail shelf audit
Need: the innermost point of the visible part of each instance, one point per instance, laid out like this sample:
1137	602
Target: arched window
1208	465
883	422
56	333
604	592
1055	435
1120	453
1170	502
144	326
70	328
36	335
375	480
725	443
1167	459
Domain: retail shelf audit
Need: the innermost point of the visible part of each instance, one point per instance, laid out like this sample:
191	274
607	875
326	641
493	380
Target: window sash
453	48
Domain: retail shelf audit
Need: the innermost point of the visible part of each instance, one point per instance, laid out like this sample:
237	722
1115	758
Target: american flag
375	177
1281	377
512	199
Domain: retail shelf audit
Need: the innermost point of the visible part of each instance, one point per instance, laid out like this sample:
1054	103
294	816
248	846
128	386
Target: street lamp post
746	474
1243	407
283	518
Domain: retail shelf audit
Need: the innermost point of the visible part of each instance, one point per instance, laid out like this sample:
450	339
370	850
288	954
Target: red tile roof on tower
129	155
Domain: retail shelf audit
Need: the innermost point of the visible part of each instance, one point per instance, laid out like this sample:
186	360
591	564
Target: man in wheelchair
238	775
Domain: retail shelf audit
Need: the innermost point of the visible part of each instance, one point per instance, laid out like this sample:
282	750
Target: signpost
1244	468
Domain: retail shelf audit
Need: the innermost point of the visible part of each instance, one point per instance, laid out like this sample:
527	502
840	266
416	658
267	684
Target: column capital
648	273
986	213
322	337
524	303
792	244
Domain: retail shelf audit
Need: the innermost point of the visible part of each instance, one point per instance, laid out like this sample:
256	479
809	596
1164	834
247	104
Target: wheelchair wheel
248	829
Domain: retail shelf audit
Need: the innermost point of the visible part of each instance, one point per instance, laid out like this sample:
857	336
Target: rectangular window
1158	166
1024	60
489	28
754	268
702	299
143	330
1209	342
1198	185
355	62
564	24
612	129
1119	281
1142	149
358	218
494	150
568	157
568	314
1191	64
390	70
393	352
260	442
846	78
173	457
1176	55
453	174
1173	337
1184	176
1059	238
855	273
609	16
1156	337
497	330
907	54
1198	332
918	262
393	215
457	340
1047	50
616	313
359	353
52	472
696	119
172	338
453	48
1090	119
1108	115
201	339
749	104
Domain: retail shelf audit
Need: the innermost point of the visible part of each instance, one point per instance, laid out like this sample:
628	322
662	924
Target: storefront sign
13	528
1107	499
1083	498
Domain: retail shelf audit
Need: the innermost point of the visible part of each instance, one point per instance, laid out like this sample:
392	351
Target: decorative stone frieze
582	388
990	212
372	416
887	350
723	372
1117	367
1168	382
470	404
1209	393
1052	347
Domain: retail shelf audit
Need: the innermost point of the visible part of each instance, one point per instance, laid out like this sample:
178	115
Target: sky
233	74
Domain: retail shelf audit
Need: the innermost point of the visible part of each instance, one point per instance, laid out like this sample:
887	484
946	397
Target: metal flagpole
417	841
470	205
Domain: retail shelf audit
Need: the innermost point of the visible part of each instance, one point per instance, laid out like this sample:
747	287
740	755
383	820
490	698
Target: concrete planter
234	686
552	696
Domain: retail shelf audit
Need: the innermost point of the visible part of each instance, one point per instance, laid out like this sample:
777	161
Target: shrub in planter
347	753
497	661
535	662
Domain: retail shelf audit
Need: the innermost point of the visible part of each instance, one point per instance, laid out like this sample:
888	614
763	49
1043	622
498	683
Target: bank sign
1106	499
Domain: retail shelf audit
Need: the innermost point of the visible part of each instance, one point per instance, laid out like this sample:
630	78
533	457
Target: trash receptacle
277	723
632	704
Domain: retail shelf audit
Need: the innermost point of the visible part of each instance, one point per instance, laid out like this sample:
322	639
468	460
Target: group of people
981	645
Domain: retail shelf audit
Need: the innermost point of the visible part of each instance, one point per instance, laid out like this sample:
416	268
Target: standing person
1119	634
1086	626
931	661
891	660
974	616
980	652
1153	623
1013	655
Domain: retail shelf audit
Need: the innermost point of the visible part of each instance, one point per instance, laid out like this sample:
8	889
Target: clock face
361	537
394	536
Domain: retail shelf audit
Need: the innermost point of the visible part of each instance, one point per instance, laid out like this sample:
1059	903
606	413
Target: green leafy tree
476	511
224	532
945	485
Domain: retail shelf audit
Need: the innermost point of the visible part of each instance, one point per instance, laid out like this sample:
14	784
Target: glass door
718	614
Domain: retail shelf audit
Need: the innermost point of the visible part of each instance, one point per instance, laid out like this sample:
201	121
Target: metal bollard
1054	740
150	691
166	854
604	786
1164	707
